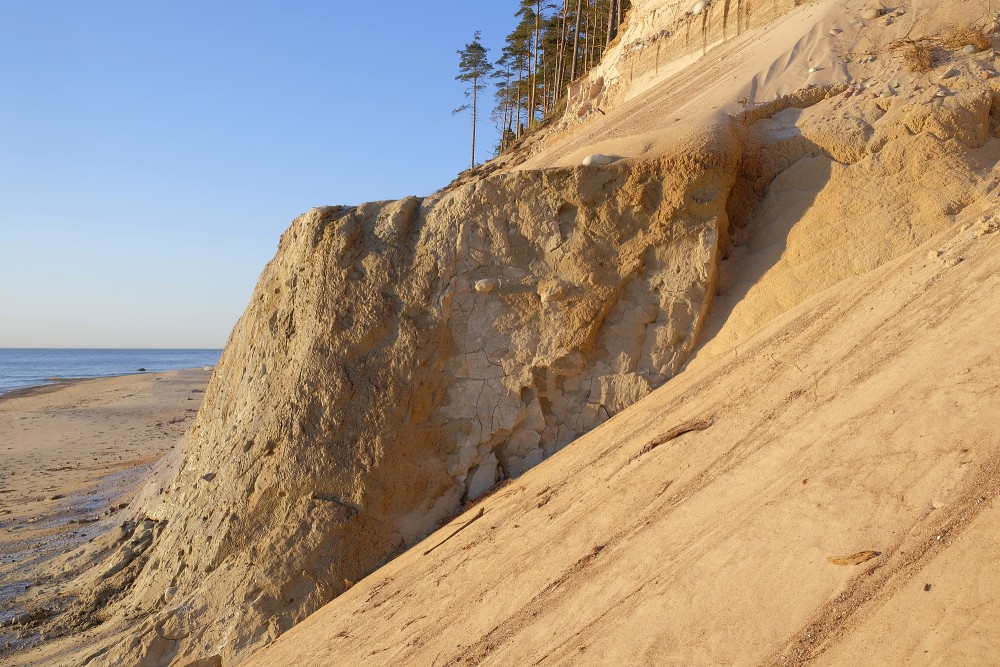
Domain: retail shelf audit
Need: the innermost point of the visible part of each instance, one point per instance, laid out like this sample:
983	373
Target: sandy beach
73	454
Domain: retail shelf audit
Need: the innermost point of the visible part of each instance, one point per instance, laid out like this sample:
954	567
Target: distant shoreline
33	368
62	383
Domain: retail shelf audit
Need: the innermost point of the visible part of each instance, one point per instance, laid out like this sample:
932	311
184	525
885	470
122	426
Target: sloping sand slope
828	453
698	527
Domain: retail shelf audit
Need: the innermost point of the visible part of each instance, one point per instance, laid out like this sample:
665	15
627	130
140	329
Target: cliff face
784	505
658	38
823	460
400	357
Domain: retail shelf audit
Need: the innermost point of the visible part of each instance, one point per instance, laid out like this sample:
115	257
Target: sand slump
854	181
661	37
398	359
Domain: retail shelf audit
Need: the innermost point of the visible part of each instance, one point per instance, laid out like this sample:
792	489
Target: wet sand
71	455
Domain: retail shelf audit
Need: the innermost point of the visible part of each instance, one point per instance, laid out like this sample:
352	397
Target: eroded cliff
399	358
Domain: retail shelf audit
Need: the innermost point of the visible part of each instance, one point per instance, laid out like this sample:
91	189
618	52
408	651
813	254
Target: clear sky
151	153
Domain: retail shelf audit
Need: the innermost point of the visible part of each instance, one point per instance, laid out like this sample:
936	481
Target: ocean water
21	368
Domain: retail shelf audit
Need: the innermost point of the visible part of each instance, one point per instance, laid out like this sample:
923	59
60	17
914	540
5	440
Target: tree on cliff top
474	66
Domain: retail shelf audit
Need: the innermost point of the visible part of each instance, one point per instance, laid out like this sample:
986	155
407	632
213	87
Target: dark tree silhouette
473	68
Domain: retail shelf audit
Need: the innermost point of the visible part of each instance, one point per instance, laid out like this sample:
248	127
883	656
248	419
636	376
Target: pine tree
518	51
552	44
473	68
576	41
506	100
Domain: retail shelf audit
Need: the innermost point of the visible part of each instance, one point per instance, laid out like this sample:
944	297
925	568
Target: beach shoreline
55	384
72	455
26	368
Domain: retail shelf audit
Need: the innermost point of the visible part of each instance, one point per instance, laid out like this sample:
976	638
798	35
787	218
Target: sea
20	368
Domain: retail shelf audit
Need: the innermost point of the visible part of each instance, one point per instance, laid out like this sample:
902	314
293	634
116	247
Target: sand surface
820	485
825	494
72	454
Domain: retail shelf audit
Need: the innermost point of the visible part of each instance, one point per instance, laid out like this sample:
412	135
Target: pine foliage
473	68
554	42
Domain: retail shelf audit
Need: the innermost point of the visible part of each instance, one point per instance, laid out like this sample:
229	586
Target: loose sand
820	485
825	494
70	455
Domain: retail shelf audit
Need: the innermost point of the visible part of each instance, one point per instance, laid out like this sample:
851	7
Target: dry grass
918	57
919	54
956	38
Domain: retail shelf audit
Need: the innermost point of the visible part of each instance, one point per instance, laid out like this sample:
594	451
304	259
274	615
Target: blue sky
151	153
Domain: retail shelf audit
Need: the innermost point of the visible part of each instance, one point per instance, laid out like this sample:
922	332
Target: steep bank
825	494
399	358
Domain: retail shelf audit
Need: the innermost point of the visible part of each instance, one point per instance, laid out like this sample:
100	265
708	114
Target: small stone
483	477
598	160
936	504
871	13
988	226
487	285
969	49
57	496
169	594
950	74
22	619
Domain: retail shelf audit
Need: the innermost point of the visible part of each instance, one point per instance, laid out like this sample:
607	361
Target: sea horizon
25	367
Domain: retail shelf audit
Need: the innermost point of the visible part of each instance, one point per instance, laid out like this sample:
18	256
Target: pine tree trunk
517	102
475	85
588	45
561	51
612	21
576	40
546	90
534	69
509	114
